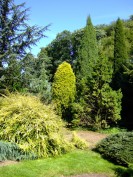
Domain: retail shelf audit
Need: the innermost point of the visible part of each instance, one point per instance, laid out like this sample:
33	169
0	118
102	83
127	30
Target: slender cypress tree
86	62
120	80
88	53
87	58
120	52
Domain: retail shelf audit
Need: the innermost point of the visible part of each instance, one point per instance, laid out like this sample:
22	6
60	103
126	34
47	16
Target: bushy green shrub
118	148
32	125
11	151
124	172
77	111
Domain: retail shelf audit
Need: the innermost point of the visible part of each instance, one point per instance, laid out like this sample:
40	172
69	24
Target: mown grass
112	130
77	162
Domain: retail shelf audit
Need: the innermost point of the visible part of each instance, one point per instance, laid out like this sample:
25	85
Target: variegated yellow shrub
32	125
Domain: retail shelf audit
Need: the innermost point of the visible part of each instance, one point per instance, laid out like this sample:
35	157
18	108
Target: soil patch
8	162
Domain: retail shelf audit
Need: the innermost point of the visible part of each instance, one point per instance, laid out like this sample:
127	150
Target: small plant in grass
78	142
118	148
32	125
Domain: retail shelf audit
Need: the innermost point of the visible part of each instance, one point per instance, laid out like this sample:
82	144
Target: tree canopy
16	35
84	72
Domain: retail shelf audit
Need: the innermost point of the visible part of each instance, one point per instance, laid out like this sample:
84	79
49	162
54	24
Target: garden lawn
77	162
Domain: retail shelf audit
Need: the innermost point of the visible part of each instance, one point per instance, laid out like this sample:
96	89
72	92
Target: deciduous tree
60	50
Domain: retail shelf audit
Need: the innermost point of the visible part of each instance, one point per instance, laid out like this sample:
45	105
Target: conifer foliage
101	105
120	55
88	53
11	151
105	103
16	36
35	76
64	87
120	52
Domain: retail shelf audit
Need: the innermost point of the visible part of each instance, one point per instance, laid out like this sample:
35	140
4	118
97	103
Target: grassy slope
77	162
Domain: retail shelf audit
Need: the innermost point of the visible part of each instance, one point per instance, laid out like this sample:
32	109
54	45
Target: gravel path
91	137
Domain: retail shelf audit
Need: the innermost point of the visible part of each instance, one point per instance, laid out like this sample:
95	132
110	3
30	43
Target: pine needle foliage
32	125
118	148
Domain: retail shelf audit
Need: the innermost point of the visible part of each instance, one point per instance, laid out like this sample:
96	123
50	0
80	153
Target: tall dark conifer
120	80
120	52
88	53
86	62
120	55
101	105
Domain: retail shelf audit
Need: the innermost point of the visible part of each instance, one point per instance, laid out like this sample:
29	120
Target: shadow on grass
124	172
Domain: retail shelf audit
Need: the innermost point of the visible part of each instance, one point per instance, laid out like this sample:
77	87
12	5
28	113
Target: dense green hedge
11	151
118	148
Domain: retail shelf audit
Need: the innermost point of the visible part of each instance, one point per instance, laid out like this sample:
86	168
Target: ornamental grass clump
32	125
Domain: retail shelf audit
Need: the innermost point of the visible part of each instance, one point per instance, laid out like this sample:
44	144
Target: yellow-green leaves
32	125
64	87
